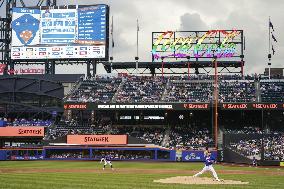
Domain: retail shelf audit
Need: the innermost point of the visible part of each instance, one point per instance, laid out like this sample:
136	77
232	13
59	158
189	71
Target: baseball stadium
195	114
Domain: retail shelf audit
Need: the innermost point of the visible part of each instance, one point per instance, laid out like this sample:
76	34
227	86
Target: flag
111	32
273	37
138	29
271	25
273	50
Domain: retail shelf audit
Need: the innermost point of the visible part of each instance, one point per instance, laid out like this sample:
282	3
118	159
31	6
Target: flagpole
269	48
112	44
111	31
137	58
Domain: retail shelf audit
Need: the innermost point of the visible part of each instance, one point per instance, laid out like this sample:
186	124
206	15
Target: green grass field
128	175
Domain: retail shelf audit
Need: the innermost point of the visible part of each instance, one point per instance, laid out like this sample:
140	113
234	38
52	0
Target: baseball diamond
89	174
123	94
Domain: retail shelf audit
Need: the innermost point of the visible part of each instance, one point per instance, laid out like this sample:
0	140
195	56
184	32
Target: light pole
216	103
188	66
262	137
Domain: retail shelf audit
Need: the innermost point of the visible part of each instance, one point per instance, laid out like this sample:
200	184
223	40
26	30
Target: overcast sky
163	15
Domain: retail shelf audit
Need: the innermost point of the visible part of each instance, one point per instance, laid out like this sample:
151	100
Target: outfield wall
95	153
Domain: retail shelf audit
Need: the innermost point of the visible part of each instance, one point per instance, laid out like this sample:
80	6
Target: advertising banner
251	106
171	106
128	106
22	131
196	155
97	139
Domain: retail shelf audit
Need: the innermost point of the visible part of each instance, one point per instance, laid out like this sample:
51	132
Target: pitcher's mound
197	180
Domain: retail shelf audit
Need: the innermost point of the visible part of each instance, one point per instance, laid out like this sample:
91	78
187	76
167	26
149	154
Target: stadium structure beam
181	67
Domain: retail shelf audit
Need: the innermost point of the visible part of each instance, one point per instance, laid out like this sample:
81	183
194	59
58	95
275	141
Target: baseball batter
107	160
208	167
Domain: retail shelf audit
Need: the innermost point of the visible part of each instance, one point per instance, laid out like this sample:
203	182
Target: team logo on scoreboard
25	27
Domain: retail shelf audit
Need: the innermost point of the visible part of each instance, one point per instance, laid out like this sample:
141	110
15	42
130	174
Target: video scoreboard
79	32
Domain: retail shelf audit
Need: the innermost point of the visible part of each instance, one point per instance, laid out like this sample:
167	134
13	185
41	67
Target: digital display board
197	45
73	32
138	106
170	106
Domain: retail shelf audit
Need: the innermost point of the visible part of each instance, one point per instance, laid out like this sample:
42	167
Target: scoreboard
79	32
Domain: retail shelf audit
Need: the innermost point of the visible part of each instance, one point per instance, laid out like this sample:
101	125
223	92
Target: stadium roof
63	78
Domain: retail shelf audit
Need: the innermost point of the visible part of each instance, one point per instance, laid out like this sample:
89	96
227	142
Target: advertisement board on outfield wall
196	155
97	139
22	131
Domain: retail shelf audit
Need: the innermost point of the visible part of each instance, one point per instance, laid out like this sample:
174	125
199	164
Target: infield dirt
196	180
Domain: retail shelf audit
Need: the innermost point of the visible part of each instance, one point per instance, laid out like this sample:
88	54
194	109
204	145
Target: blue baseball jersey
108	157
254	160
209	161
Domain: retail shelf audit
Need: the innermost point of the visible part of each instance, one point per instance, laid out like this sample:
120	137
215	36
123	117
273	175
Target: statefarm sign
97	139
75	106
21	71
254	106
22	131
197	44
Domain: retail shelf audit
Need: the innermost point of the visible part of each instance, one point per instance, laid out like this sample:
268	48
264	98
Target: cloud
256	38
192	22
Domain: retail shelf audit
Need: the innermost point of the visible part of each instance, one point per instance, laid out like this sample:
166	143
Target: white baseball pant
208	168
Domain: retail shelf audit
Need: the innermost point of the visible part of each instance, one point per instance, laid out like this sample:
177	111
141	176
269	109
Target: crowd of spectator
244	130
237	91
98	154
189	138
247	147
151	135
25	122
125	154
71	155
64	128
95	89
185	91
273	146
141	89
272	91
